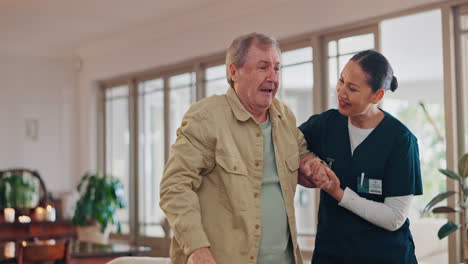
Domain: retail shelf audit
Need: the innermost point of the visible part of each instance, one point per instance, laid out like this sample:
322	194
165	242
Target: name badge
366	185
375	186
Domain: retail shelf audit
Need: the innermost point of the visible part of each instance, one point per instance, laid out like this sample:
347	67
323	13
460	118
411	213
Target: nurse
374	170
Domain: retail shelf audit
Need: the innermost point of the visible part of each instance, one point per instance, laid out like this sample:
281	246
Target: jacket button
252	257
184	123
256	195
257	226
257	163
258	134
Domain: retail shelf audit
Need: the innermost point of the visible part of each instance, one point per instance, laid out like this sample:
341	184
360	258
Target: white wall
42	89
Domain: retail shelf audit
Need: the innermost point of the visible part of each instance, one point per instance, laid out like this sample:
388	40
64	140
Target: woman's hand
332	185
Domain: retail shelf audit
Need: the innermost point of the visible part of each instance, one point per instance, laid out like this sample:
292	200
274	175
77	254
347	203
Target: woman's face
355	96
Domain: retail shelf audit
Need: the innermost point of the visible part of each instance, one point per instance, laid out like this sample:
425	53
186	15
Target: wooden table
36	230
89	253
81	252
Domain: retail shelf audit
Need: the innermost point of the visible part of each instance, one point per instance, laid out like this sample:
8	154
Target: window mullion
133	192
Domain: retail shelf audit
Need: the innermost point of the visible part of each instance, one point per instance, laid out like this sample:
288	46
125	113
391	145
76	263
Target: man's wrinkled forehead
255	46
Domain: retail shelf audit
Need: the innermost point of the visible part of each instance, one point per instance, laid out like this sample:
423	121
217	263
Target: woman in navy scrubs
374	170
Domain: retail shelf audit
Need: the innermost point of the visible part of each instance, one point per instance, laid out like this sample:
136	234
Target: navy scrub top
389	154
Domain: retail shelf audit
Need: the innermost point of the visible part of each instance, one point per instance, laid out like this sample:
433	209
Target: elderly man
228	187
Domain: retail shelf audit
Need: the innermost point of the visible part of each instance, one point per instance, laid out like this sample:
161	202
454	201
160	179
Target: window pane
332	81
356	43
216	82
298	77
296	92
118	144
115	92
343	60
216	87
296	56
297	83
464	22
151	155
181	80
332	48
216	72
181	88
413	45
464	48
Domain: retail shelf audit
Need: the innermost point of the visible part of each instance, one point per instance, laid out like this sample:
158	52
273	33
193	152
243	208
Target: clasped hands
315	174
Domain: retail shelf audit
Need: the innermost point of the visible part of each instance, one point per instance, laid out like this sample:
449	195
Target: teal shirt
275	246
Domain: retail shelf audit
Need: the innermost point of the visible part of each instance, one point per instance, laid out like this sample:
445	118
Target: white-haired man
228	187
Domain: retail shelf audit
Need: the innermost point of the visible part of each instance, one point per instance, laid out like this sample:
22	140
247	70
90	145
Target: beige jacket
211	183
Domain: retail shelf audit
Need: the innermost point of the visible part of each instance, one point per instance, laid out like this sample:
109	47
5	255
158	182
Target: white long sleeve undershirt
392	213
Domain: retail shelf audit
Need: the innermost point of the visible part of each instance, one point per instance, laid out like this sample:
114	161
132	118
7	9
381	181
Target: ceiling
58	28
61	26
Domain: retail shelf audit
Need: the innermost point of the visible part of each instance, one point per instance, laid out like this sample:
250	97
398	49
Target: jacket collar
275	110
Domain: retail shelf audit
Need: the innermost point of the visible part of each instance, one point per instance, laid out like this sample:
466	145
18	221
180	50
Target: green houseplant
450	226
100	198
17	191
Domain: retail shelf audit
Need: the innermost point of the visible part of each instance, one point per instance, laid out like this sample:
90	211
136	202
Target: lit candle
9	250
50	213
24	219
9	214
39	213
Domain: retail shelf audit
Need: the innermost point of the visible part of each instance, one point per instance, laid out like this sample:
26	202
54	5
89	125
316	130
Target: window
118	144
142	189
151	155
182	94
463	103
297	82
296	92
215	80
413	45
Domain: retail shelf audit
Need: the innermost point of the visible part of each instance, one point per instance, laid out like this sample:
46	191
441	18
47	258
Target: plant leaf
447	229
463	166
100	197
440	197
451	174
444	210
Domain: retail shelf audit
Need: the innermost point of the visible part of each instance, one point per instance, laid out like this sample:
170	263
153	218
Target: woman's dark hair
378	69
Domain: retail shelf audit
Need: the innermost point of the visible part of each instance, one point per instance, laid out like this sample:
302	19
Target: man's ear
378	96
234	72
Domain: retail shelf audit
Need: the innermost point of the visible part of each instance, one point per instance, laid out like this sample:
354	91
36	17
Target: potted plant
100	198
450	226
17	191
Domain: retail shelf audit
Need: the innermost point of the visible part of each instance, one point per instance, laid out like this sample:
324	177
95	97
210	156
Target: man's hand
201	256
312	172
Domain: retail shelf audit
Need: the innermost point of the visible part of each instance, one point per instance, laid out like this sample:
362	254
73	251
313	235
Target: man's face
256	82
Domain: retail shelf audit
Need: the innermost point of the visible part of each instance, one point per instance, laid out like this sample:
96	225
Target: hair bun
394	84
